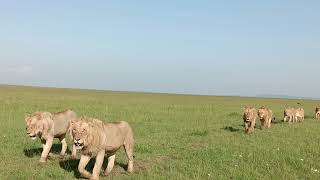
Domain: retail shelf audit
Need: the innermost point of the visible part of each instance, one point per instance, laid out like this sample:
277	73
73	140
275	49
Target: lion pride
249	118
48	126
95	138
265	115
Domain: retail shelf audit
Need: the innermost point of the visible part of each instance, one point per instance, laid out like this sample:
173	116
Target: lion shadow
71	165
231	129
55	149
276	120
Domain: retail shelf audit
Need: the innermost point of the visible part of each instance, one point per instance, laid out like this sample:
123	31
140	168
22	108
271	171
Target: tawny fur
317	113
265	116
249	118
96	138
288	114
48	126
299	115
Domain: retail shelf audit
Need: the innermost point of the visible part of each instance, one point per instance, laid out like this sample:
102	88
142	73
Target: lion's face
80	132
247	114
34	127
262	113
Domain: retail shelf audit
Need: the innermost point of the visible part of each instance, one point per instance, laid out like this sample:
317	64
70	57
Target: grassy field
177	136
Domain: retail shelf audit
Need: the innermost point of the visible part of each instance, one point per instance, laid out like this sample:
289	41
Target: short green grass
177	136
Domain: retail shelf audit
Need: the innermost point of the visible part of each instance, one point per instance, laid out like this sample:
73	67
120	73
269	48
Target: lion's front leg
290	119
46	149
64	146
246	126
263	123
266	122
43	142
98	164
82	165
74	152
110	165
251	128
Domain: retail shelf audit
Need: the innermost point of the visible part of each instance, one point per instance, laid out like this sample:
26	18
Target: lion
265	115
299	114
95	138
48	126
249	118
288	114
317	113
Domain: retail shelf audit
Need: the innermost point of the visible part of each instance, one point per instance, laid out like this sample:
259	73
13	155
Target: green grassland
177	136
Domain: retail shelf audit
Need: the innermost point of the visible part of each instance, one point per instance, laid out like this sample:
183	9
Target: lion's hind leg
128	146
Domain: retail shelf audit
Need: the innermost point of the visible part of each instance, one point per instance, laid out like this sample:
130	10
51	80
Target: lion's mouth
78	145
33	137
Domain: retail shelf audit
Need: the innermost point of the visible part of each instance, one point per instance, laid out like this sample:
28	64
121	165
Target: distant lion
265	115
317	113
249	118
299	114
95	138
48	126
288	114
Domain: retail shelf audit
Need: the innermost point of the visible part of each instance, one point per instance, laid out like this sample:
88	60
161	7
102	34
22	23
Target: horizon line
265	96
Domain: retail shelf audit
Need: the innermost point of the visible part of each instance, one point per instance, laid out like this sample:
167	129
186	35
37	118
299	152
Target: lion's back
62	121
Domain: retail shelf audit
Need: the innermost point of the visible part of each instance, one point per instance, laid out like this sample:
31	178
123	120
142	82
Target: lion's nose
77	139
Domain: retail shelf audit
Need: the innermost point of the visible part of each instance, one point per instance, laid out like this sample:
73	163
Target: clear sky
176	46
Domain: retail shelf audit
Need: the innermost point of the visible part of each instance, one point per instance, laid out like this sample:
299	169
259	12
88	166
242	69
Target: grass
177	136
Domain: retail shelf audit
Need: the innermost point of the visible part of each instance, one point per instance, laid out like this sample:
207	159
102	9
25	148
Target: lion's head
35	124
80	133
248	113
85	132
262	112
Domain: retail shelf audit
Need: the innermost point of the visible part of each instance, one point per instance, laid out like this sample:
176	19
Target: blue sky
198	47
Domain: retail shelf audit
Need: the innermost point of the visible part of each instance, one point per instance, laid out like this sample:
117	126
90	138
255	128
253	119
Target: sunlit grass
177	136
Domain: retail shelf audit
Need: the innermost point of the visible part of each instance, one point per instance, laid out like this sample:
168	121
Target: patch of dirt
140	165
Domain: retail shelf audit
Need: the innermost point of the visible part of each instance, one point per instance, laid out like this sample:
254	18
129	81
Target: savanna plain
176	136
